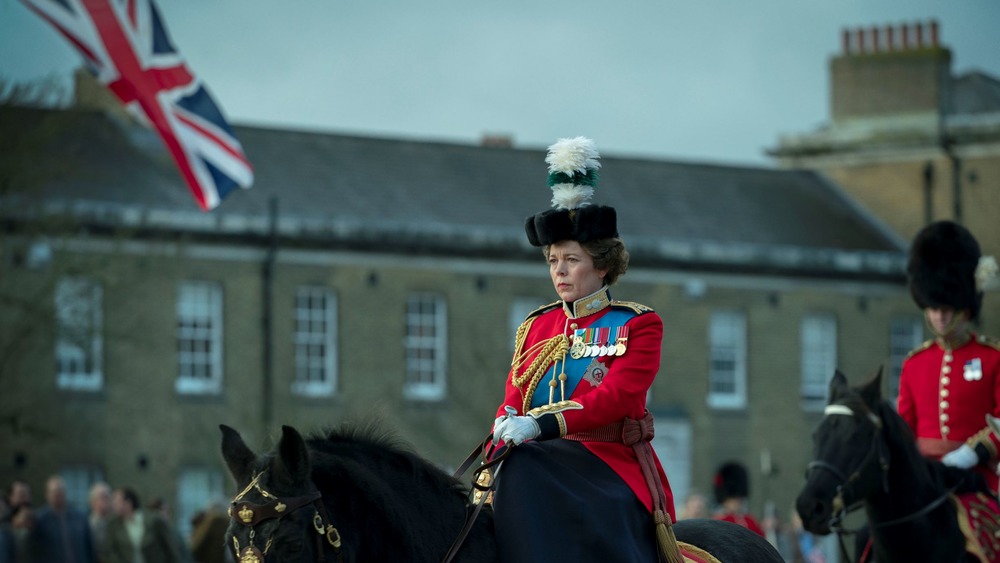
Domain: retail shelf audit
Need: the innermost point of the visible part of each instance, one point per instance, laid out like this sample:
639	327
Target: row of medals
580	350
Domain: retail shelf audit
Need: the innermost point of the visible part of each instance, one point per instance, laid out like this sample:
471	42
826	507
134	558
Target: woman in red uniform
574	489
949	385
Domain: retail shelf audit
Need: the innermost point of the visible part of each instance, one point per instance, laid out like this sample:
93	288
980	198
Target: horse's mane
370	444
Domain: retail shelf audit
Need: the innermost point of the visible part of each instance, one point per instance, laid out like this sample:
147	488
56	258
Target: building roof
342	191
975	93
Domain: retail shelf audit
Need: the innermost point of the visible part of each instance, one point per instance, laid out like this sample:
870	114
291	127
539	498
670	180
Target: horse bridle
879	447
251	514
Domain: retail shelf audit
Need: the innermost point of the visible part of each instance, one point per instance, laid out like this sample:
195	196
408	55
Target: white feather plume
571	196
986	274
578	154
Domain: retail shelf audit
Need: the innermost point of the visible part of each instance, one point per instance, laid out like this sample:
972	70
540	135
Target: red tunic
613	388
745	520
945	394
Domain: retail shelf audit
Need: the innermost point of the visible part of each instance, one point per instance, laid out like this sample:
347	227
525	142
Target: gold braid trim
553	349
522	333
983	437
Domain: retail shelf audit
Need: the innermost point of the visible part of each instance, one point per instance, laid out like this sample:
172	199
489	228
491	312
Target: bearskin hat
573	165
942	268
731	481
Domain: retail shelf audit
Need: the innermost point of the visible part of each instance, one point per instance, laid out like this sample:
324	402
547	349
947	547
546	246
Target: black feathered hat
942	268
573	169
731	481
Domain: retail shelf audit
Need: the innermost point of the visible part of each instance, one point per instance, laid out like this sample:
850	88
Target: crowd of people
115	527
731	488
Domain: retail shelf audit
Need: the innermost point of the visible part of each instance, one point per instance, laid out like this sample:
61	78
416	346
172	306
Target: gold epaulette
926	344
637	308
988	341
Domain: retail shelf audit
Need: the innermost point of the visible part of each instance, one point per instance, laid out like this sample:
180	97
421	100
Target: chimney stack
875	77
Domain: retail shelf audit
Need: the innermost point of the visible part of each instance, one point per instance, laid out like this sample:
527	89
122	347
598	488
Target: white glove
963	458
517	429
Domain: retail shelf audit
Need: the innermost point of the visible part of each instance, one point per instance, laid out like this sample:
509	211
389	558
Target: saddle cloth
979	518
695	554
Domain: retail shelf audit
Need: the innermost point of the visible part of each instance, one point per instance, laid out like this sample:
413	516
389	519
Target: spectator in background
732	488
18	494
208	536
99	500
160	506
61	533
136	535
695	506
6	534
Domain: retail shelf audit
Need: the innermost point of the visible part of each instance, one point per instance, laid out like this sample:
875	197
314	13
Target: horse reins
251	514
482	481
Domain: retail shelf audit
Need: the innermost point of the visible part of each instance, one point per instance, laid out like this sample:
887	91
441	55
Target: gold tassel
666	539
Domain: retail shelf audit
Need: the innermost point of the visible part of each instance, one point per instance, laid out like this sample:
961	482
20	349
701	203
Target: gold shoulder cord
548	351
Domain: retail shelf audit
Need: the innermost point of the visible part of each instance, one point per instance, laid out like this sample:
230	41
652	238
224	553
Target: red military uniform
945	393
745	520
600	388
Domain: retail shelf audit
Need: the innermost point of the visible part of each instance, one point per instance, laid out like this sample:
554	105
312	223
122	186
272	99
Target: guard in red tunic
732	488
949	388
582	483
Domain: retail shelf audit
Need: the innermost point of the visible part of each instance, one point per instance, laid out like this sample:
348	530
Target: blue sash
575	369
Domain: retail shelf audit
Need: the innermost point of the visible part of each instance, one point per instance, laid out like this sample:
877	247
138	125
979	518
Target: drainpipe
928	192
956	184
267	283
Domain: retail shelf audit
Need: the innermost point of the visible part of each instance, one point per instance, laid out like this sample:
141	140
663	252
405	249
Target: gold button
947	357
944	392
946	369
944	405
945	381
944	417
945	430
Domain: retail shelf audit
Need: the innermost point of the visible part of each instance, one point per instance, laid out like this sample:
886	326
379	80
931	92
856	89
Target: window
198	488
78	305
818	338
78	479
905	334
519	310
315	342
727	371
426	347
199	338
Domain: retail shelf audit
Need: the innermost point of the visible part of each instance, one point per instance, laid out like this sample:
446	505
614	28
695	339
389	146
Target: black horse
358	495
865	453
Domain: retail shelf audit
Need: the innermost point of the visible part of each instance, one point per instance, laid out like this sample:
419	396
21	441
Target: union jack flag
125	44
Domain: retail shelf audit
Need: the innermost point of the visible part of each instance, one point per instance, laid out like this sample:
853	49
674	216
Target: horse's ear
239	458
871	391
293	456
838	385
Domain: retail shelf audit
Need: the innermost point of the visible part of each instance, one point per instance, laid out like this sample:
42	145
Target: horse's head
850	454
277	515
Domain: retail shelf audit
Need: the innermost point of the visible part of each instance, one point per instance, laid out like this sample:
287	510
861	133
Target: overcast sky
709	81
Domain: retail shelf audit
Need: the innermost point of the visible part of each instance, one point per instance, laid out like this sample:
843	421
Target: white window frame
198	487
199	320
817	359
727	337
905	334
426	347
315	342
79	344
